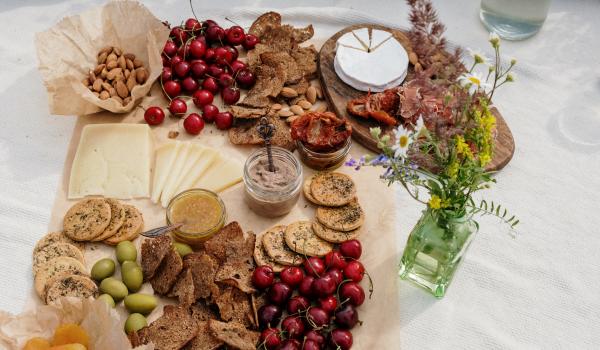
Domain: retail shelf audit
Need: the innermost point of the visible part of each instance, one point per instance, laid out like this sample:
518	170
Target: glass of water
514	19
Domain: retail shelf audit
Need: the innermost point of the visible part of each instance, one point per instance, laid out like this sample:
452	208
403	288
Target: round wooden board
339	93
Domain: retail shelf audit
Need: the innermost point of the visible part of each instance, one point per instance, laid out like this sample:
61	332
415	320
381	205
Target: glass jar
514	19
324	160
202	213
262	196
434	251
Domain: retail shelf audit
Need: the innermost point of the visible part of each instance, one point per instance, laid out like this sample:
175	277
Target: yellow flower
435	202
452	170
485	158
462	148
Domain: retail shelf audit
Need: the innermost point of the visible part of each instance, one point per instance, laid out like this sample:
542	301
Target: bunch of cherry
200	59
322	312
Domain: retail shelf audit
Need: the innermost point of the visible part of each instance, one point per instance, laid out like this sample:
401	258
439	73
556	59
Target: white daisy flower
474	82
494	39
401	142
420	126
479	56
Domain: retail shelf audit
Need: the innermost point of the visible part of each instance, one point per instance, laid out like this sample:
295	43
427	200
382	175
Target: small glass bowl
324	160
271	202
204	234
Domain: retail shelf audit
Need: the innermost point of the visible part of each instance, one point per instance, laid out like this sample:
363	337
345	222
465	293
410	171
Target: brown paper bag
67	51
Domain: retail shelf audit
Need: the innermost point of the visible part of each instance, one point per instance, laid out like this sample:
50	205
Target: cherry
230	95
215	33
352	292
202	98
224	121
154	115
290	344
175	60
293	326
235	35
269	315
209	55
234	52
192	25
297	303
337	275
292	276
190	85
305	287
347	317
237	65
199	69
328	304
354	271
166	61
208	23
317	317
263	276
184	50
250	41
167	74
245	78
341	339
225	79
270	338
324	286
170	48
315	336
209	112
314	266
197	48
211	85
182	69
310	345
351	249
279	292
179	35
215	70
177	107
223	56
334	259
193	124
172	88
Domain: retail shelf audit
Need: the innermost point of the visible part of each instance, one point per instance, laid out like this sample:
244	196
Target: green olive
114	287
126	252
182	248
103	268
132	276
135	322
107	299
140	303
128	264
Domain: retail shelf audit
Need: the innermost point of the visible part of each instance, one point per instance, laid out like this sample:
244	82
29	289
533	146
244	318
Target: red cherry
223	56
199	69
324	286
279	292
334	259
172	88
328	304
270	338
209	113
354	271
234	52
263	277
202	98
184	50
292	276
235	35
290	344
237	65
192	25
197	48
178	35
225	79
352	292
154	115
306	288
215	70
230	95
341	339
245	78
250	41
190	85
317	317
315	336
293	326
182	69
209	55
215	33
224	120
167	74
314	266
175	60
208	23
346	317
269	315
211	85
166	61
297	304
310	345
351	249
170	48
193	124
178	107
336	274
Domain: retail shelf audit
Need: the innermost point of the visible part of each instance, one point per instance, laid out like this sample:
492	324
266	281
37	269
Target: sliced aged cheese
225	173
174	173
165	157
112	160
195	152
198	169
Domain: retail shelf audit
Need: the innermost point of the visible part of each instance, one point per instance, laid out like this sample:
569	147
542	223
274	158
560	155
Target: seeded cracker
56	237
345	218
55	250
262	258
117	218
333	189
87	219
62	265
274	244
132	226
300	237
333	236
71	286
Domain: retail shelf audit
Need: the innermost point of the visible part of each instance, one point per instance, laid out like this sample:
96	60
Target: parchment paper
67	51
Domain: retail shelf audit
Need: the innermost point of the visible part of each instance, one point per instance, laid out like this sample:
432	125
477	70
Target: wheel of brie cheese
370	60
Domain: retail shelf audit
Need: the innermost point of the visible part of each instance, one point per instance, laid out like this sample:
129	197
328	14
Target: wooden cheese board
339	93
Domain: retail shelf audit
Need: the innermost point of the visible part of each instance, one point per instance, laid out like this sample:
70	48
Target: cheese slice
178	164
112	160
165	157
195	153
199	168
222	175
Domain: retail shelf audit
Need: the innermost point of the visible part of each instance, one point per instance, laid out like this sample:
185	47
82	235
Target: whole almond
284	113
322	108
104	73
131	82
305	104
106	86
97	94
104	95
91	76
112	74
297	110
311	94
412	57
86	81
276	107
141	75
99	68
288	92
117	51
129	64
118	99
292	118
126	101
122	89
319	92
137	63
122	62
112	91
98	85
106	49
110	65
129	56
126	73
111	57
102	57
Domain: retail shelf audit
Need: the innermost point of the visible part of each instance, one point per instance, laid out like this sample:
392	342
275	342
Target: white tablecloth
538	290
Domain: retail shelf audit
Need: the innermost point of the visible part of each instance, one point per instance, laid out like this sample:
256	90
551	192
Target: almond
322	108
311	94
305	104
129	56
111	65
292	118
285	113
86	81
127	73
297	110
91	76
97	94
122	62
141	75
111	57
104	73
129	64
112	74
106	49
99	68
137	63
104	95
97	85
117	51
412	57
112	91
319	92
106	86
288	92
131	82
122	89
102	57
276	107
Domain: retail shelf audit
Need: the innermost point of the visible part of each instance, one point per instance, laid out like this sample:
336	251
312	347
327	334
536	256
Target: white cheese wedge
382	66
180	160
165	157
199	168
195	153
225	173
112	160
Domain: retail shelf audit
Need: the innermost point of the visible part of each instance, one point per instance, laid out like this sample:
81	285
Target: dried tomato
321	131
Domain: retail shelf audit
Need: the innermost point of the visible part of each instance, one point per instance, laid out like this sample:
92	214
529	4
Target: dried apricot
37	344
68	347
70	334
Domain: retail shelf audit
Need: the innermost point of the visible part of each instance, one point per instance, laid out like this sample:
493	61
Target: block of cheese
112	160
198	169
165	157
225	173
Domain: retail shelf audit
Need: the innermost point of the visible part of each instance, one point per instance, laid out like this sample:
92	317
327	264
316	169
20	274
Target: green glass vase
434	251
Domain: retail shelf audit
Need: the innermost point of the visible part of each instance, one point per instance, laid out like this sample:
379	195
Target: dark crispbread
71	286
262	258
117	217
274	244
293	74
264	22
237	273
332	189
204	268
229	243
87	219
62	265
204	340
300	238
56	237
346	218
234	334
183	289
154	251
234	305
333	236
132	226
167	273
245	133
55	250
172	331
306	59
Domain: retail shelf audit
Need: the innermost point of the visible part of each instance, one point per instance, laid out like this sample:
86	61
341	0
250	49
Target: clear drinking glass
514	19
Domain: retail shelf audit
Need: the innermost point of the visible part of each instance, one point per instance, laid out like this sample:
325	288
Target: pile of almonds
116	75
299	104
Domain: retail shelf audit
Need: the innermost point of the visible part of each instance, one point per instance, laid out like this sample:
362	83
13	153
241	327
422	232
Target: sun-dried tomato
321	132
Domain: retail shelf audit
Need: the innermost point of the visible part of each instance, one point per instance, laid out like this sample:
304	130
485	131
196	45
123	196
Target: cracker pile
213	287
